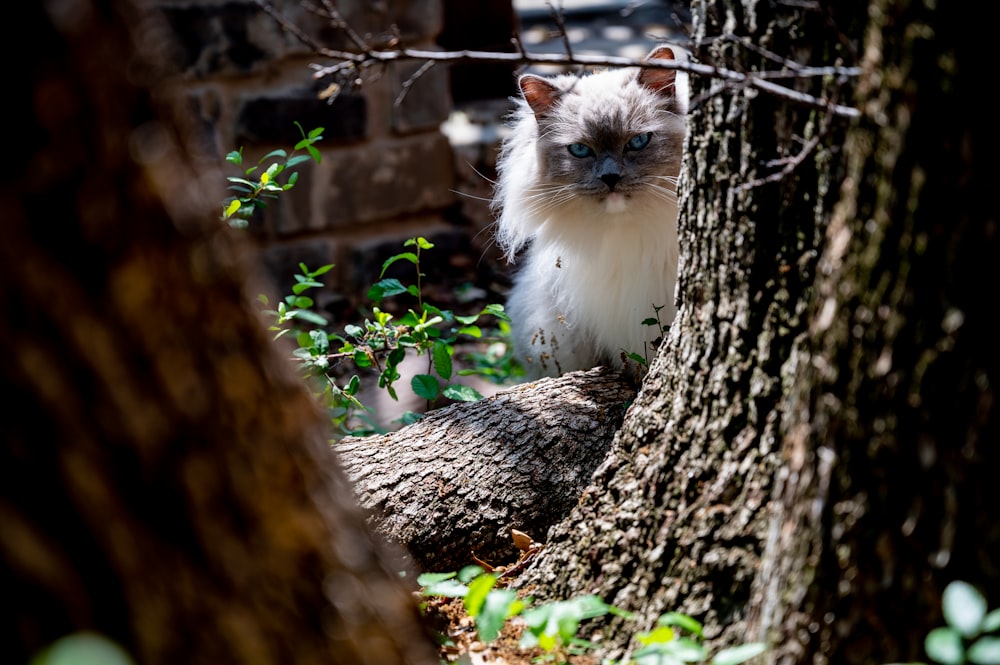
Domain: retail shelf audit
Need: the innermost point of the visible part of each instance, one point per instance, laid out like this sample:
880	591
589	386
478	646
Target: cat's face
611	141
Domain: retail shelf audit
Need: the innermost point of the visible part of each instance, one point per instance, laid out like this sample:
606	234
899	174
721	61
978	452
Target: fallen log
451	486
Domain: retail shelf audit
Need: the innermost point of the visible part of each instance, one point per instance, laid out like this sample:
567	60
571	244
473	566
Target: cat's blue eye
579	150
639	141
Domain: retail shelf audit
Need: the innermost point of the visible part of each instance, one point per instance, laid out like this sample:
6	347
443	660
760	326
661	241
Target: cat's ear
540	94
660	81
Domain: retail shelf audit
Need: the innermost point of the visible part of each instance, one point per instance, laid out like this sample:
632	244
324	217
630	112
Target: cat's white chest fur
587	183
577	304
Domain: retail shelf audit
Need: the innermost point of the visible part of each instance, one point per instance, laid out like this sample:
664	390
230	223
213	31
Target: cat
586	184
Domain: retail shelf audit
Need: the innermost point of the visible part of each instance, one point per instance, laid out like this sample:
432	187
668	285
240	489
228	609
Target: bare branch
338	21
408	83
758	80
557	16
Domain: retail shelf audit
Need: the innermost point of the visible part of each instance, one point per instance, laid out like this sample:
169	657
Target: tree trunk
890	490
159	479
455	483
677	517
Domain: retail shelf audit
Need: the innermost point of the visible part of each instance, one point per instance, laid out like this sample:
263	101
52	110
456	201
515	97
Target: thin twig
754	80
791	163
557	16
411	79
341	23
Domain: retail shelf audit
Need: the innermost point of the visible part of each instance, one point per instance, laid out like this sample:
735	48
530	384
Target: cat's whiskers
663	193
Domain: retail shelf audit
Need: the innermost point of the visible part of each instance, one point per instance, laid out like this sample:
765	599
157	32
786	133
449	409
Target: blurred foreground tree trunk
160	479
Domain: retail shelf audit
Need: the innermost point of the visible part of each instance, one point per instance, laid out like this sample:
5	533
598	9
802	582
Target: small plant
239	209
667	645
970	635
553	626
643	360
382	341
489	606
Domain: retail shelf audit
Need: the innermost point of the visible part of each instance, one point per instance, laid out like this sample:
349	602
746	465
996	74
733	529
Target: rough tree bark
890	489
455	483
160	479
677	517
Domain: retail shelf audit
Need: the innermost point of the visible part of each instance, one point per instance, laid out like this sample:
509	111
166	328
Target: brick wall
388	172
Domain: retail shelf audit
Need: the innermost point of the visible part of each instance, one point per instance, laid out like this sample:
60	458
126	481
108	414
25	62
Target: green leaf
985	651
405	256
964	608
251	185
497	311
296	160
385	288
307	315
442	360
944	645
409	418
478	590
235	157
468	573
322	270
500	605
448	588
686	650
315	133
274	153
682	620
658	635
305	285
739	654
647	656
991	621
471	331
83	649
233	206
425	386
461	393
428	579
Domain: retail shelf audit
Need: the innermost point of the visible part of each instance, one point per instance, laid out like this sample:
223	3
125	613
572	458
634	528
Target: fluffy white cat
587	187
